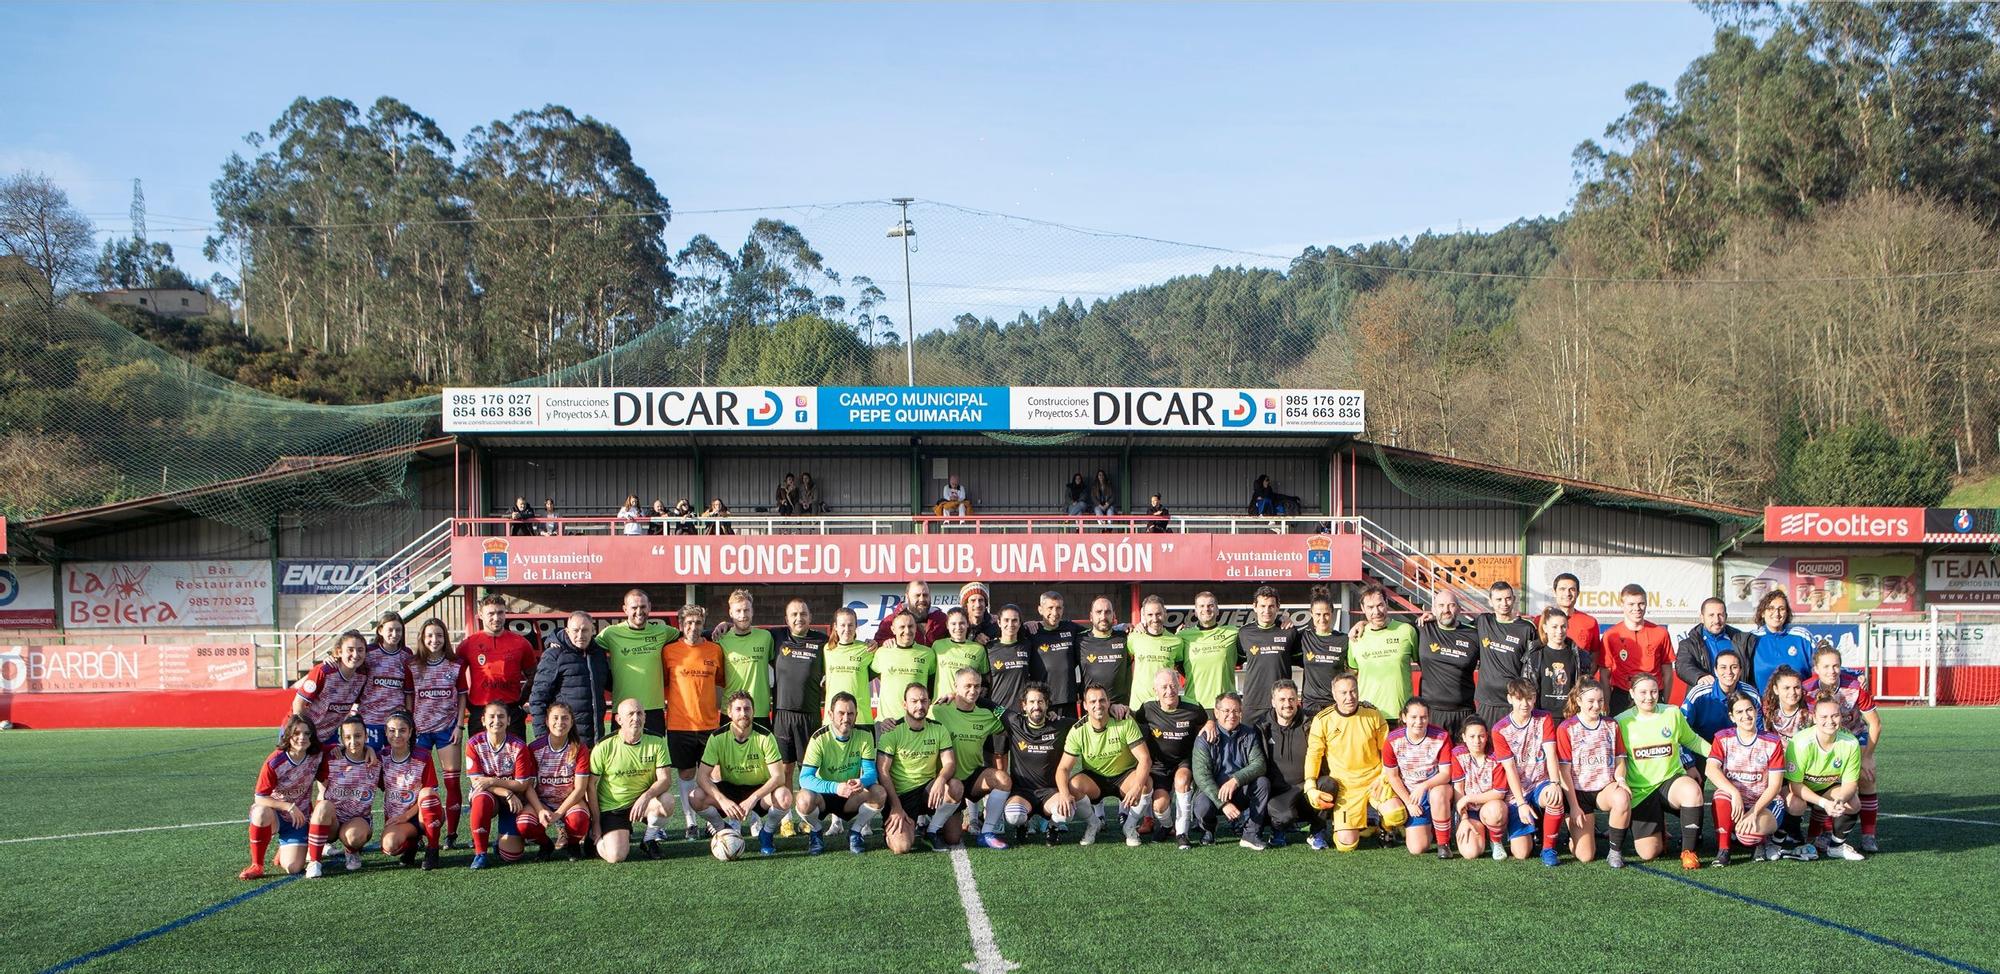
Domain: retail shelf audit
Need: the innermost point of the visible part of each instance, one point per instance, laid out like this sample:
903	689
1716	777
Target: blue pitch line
1872	938
166	928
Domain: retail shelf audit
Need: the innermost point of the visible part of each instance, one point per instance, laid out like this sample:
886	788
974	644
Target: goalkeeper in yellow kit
1343	772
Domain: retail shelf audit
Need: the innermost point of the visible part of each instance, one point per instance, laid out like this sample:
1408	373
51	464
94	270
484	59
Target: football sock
454	800
428	814
996	809
482	816
1690	828
317	837
1725	820
260	843
1871	806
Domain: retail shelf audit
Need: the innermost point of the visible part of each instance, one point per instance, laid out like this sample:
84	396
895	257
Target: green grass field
1924	904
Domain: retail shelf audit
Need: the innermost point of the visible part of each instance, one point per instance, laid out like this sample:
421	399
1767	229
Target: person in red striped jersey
1592	754
1486	786
557	815
1747	767
1529	735
284	799
388	688
437	688
502	772
410	805
1419	755
329	691
346	807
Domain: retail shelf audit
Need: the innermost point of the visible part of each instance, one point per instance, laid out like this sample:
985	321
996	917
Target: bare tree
38	225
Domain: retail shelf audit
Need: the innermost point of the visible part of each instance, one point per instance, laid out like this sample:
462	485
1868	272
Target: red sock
530	826
1441	831
428	814
1725	820
577	823
1551	824
506	856
317	837
1495	834
260	843
454	800
482	817
1871	805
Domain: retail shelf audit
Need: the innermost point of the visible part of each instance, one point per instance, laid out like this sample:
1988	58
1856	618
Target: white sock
713	816
943	812
773	817
1108	808
1136	815
653	820
866	815
1183	811
682	787
1016	814
996	809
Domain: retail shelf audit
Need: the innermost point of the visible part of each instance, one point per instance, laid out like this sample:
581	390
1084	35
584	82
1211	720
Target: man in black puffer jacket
580	677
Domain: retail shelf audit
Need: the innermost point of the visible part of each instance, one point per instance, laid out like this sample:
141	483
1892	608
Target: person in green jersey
849	666
837	777
900	662
976	734
1210	652
1654	736
918	758
633	645
629	780
1154	651
1381	651
1825	777
956	651
1105	761
746	655
740	775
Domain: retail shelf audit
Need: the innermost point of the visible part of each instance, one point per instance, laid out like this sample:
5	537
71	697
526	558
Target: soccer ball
6	725
726	845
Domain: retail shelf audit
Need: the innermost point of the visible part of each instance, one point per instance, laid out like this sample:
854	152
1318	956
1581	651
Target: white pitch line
149	828
986	957
1935	818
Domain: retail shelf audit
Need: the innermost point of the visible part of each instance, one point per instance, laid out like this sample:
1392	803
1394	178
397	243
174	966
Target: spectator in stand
717	512
629	513
809	499
1103	494
951	500
499	668
1157	510
916	602
683	515
551	524
1079	494
1265	501
576	672
657	517
522	517
786	501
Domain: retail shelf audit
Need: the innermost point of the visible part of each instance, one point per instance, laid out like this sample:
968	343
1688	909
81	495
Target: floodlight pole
909	303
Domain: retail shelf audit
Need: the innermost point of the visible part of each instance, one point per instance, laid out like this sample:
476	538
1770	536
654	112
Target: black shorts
1290	806
1492	713
1649	817
965	780
1452	719
916	802
1163	776
793	729
1621	700
684	748
735	792
1308	709
833	804
1586	802
1258	716
1037	797
1106	787
656	722
614	821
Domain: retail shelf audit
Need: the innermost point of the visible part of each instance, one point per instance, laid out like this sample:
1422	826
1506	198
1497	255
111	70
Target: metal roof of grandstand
1438	477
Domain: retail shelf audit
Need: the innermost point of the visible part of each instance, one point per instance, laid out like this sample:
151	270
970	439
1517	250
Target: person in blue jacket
1706	706
1778	643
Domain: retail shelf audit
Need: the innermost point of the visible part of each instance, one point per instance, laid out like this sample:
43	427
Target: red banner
98	668
1845	525
622	560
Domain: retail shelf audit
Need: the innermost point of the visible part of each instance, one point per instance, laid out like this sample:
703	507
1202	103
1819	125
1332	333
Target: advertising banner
27	597
1675	587
114	668
1206	410
927	408
595	560
333	576
1845	525
1821	583
510	409
1962	580
166	594
1961	525
874	603
1479	571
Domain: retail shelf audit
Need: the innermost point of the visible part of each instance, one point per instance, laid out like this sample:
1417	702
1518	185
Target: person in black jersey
1054	644
1171	725
1034	748
1105	660
1505	641
1265	649
798	690
1321	652
1284	734
1447	656
1008	661
1555	665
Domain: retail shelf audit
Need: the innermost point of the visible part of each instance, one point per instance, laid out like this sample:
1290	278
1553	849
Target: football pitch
156	889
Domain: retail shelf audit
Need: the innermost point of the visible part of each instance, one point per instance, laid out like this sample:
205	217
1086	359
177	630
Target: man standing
1211	652
634	646
1635	646
1265	649
899	662
977	600
1381	651
629	781
1694	658
1447	660
499	668
1107	662
694	704
1054	645
746	656
1171	725
1154	651
1505	641
916	602
1229	775
1583	628
573	671
798	691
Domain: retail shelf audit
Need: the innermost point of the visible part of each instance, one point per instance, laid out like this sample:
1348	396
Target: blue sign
878	409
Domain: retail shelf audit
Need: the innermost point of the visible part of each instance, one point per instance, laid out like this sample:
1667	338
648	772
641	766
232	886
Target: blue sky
1261	128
